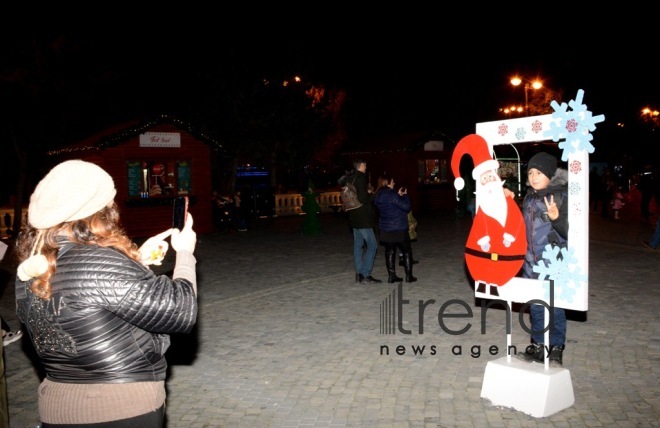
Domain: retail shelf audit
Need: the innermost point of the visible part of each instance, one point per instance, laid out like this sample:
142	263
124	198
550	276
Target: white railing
291	203
329	202
288	204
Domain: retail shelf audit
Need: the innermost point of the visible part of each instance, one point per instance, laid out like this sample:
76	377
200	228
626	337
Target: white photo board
571	125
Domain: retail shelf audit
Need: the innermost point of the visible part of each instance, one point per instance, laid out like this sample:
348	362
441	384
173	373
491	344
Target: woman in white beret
97	315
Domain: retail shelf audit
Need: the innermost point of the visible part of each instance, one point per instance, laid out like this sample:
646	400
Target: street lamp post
534	84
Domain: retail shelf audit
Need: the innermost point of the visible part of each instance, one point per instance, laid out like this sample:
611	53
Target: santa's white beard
492	201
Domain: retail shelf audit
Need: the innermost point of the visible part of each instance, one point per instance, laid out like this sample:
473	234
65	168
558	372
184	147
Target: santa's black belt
492	256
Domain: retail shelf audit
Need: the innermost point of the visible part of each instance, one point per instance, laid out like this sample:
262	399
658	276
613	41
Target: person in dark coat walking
393	208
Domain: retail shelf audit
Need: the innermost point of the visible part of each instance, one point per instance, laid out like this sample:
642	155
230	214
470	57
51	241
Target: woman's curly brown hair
102	228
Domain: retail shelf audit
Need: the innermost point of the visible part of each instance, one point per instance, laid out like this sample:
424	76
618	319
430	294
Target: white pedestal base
527	387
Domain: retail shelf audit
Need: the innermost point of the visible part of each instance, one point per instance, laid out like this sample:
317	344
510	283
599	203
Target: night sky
419	78
398	78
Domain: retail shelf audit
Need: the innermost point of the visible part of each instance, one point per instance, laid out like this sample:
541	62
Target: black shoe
556	353
359	277
370	280
533	353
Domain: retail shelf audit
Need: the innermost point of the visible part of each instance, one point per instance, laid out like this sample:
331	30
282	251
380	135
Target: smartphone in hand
180	212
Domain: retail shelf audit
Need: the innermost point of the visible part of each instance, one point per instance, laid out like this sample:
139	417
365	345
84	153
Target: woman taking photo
393	207
97	315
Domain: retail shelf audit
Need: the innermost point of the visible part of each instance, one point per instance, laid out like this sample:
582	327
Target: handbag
412	226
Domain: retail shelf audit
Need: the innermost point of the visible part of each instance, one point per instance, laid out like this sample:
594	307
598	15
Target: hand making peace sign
553	211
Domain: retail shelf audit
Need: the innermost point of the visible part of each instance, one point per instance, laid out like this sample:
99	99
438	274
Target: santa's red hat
477	147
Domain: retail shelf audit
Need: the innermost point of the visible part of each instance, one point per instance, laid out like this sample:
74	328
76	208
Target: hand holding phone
184	239
180	212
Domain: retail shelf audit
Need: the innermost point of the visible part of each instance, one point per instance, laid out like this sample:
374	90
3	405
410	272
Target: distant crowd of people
610	199
229	213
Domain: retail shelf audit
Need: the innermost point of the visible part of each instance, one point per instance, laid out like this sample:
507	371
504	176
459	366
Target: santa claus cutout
496	245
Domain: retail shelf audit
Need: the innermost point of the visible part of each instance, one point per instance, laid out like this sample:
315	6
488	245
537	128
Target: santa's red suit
500	263
496	245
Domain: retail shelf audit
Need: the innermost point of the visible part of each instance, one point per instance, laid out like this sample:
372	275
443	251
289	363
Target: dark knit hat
544	162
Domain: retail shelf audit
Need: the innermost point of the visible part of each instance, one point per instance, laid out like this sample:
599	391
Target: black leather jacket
108	319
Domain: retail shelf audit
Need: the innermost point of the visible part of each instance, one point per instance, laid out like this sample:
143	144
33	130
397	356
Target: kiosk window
432	171
155	178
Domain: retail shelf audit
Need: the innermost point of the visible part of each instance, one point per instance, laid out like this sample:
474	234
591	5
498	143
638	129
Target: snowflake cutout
503	129
574	188
537	126
574	126
520	133
575	167
577	208
563	271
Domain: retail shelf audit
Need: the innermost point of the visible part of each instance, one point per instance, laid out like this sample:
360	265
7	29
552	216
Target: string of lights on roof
140	128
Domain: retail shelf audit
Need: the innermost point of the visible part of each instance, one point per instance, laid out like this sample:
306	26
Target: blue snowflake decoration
574	188
564	271
575	126
520	133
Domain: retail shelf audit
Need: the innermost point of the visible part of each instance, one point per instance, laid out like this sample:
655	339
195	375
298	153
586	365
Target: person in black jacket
363	222
545	209
393	208
98	317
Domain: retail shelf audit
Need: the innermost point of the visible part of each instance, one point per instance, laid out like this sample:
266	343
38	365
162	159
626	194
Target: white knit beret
72	190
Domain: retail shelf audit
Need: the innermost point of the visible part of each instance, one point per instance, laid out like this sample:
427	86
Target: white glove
484	243
153	251
508	239
185	239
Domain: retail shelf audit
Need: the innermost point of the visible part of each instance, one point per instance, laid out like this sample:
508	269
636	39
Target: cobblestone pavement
286	338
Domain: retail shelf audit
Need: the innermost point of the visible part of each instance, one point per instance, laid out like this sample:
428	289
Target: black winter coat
540	230
392	210
108	319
